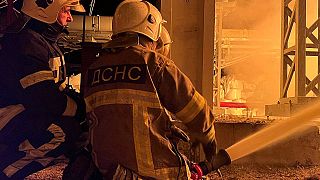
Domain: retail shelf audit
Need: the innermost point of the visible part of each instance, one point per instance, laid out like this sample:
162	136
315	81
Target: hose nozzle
221	159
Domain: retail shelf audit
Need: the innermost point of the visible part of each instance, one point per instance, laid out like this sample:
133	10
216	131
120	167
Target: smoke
259	68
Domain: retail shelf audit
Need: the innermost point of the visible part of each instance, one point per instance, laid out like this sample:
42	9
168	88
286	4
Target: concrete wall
191	25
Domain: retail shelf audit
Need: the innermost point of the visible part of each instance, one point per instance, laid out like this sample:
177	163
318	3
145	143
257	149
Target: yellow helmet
47	10
137	16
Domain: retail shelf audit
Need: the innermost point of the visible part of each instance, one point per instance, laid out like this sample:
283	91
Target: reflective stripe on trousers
125	174
37	155
8	113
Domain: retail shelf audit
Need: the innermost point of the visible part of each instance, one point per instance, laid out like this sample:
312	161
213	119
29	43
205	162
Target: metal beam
290	75
286	2
311	36
311	85
318	26
300	55
218	59
289	28
284	68
207	28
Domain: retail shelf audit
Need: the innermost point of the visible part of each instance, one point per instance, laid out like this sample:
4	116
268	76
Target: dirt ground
267	172
232	172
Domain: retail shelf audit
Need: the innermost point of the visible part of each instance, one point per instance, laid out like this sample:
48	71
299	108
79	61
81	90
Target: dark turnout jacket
31	104
129	94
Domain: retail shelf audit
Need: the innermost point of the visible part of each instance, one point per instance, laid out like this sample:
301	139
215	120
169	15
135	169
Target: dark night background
101	7
107	7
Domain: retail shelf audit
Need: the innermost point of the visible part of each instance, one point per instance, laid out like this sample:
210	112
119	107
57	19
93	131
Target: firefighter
40	121
130	90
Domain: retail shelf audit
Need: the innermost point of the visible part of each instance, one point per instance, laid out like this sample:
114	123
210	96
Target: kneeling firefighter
40	121
130	90
198	170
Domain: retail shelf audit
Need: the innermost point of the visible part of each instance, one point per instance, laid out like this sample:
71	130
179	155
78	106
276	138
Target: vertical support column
300	51
206	27
208	49
284	45
219	55
318	42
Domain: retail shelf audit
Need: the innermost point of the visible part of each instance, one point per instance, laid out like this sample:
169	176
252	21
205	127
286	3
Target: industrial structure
299	56
212	45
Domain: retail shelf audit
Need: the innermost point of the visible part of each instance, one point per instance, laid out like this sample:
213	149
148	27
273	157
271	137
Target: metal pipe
83	28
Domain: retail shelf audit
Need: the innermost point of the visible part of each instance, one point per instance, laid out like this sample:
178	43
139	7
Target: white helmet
137	16
47	10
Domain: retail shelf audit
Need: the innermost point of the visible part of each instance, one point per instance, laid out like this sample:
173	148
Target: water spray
273	133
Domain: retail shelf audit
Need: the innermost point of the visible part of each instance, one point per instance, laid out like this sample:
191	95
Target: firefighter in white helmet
39	120
130	90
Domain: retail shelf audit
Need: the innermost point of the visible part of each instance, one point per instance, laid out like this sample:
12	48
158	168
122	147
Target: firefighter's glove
81	106
208	144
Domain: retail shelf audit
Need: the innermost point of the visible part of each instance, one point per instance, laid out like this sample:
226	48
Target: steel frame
218	58
294	58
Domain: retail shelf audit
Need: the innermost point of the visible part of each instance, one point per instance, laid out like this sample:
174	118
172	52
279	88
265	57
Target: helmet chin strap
64	26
